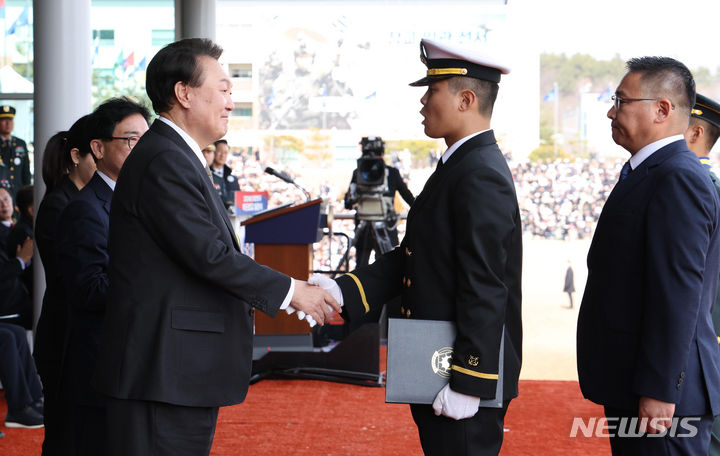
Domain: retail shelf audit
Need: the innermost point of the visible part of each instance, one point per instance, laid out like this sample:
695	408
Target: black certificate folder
419	359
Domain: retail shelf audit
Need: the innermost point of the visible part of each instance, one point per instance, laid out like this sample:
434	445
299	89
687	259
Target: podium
283	239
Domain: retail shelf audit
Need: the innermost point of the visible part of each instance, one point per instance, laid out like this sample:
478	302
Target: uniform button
408	313
408	282
404	281
402	310
408	252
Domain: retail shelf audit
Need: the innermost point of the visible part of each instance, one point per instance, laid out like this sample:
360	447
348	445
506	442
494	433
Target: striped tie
625	171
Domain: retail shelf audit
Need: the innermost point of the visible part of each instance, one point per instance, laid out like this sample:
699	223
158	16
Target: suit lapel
102	190
637	175
484	139
167	131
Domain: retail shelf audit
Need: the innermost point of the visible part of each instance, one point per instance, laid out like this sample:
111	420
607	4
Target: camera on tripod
368	193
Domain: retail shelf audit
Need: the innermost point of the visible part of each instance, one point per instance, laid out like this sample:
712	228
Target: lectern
283	239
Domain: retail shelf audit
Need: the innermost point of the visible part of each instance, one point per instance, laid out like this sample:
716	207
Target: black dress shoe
25	418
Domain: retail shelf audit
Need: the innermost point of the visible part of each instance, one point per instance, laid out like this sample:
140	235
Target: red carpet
304	417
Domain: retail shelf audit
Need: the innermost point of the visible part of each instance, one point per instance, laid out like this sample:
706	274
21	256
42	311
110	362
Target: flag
120	60
20	21
604	95
95	51
551	95
140	66
2	9
130	60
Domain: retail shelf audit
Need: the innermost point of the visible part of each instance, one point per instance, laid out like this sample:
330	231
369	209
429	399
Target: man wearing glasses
82	261
646	348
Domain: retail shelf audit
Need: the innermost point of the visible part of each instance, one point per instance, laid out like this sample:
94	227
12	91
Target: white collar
190	142
651	148
446	156
106	178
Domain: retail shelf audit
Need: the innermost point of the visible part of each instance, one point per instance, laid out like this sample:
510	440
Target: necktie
625	171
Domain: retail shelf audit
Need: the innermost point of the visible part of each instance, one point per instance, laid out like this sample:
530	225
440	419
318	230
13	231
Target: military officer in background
225	183
460	259
701	136
14	160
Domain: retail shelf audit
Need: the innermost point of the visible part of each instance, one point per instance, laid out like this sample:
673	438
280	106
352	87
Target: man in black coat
177	342
461	258
82	261
646	347
373	147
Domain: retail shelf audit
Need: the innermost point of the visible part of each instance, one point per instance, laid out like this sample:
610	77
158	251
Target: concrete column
63	78
194	19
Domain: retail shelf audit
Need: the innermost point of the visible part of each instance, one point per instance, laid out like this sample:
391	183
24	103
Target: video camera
371	183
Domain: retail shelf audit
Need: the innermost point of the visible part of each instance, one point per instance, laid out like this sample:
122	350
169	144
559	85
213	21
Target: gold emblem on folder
441	361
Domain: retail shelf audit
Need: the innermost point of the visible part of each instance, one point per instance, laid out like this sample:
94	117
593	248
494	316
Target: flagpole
555	119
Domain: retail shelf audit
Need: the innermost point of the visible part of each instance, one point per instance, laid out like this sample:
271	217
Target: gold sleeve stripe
361	290
719	340
443	71
473	373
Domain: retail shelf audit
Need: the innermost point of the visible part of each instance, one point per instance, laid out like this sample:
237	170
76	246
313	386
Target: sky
629	28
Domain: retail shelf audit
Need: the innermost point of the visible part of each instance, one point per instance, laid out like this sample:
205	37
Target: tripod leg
382	238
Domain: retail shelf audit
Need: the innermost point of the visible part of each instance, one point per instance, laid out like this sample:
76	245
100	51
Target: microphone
285	177
280	175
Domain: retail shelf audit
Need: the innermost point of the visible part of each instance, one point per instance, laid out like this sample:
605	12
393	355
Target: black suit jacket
644	327
50	340
82	259
180	313
460	260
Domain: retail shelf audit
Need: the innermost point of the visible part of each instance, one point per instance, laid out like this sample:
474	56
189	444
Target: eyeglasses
131	140
618	101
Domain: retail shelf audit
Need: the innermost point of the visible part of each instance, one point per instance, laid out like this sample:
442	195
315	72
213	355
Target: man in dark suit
701	136
178	332
14	295
646	348
460	259
82	262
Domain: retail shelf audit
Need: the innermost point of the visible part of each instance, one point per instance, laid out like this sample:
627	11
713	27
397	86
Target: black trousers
481	435
17	368
667	445
58	425
155	428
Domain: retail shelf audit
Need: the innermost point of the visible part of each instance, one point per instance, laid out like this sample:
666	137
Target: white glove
301	315
328	285
455	405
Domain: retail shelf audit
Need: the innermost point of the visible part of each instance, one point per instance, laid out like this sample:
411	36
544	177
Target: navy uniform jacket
226	185
461	261
179	321
644	327
82	260
50	343
14	155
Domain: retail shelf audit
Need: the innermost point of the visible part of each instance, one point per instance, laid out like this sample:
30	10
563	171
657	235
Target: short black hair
56	158
176	62
220	141
666	77
24	199
712	132
103	120
485	91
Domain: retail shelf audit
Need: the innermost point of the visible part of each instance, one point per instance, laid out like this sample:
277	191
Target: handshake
315	299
